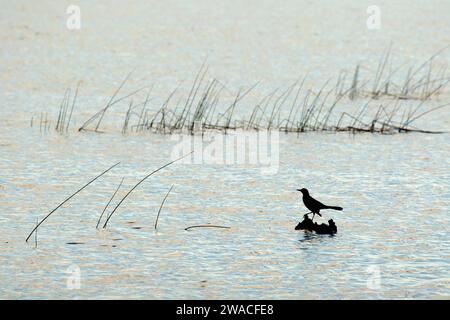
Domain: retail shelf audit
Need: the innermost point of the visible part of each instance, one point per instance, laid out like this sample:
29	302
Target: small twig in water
162	203
206	226
35	235
73	195
142	180
107	205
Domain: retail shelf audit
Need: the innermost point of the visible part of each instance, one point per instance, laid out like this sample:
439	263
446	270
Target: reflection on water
313	237
393	235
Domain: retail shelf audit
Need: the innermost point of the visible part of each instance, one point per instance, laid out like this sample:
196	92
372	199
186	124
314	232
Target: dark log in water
309	225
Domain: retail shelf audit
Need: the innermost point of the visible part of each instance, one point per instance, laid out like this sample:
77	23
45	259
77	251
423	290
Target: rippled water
393	235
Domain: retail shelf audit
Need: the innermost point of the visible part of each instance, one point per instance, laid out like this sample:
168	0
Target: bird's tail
334	208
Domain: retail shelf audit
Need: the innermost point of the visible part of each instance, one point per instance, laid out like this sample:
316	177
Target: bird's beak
298	190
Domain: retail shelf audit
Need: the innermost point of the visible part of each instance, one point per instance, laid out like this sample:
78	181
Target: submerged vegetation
35	229
379	100
385	100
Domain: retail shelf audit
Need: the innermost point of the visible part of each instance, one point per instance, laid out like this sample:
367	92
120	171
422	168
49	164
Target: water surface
395	189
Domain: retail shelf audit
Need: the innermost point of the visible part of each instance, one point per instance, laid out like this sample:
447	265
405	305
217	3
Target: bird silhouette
314	205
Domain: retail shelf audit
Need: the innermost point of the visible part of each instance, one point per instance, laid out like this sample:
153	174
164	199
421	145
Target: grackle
314	205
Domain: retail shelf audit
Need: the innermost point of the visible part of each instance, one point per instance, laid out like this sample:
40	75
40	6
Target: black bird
314	205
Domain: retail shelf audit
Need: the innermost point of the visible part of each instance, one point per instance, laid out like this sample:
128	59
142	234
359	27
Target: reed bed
314	117
66	109
209	105
292	110
421	82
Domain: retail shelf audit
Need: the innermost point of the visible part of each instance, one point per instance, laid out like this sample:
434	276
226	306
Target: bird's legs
307	213
314	214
